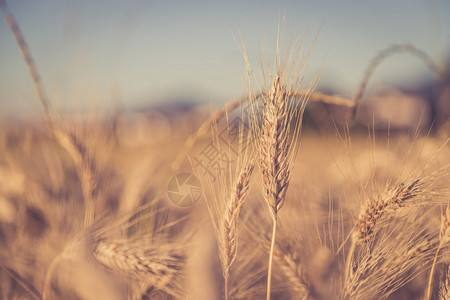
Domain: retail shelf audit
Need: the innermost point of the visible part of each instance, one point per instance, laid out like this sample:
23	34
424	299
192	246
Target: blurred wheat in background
285	193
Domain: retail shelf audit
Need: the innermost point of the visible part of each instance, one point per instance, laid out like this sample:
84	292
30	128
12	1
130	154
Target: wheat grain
376	209
159	266
274	163
383	267
290	264
230	220
378	213
274	147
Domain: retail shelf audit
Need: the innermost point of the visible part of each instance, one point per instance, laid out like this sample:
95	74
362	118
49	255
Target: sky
93	54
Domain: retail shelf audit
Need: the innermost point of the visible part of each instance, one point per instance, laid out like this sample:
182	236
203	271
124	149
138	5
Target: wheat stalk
274	163
444	238
234	104
228	193
444	284
274	147
381	56
26	54
27	286
85	167
77	150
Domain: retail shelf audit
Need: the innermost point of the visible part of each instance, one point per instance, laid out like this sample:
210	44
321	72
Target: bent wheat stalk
444	238
206	126
232	105
381	56
444	284
75	147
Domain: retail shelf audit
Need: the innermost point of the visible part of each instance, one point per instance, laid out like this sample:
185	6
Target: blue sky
152	51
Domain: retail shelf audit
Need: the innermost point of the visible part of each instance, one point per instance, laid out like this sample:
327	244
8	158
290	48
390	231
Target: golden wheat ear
277	125
226	197
274	148
393	236
160	267
381	207
229	233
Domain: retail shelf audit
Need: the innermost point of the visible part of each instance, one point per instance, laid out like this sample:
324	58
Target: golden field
285	193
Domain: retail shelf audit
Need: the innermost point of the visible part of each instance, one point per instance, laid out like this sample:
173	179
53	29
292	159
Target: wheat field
285	193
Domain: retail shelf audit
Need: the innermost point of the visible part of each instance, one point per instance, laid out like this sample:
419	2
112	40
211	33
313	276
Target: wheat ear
159	265
290	264
230	220
77	150
373	212
274	160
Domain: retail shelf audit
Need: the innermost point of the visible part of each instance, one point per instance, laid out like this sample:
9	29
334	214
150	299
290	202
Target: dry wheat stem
444	284
381	56
205	127
271	253
49	275
66	254
324	98
232	105
444	238
85	167
23	283
25	51
71	144
228	195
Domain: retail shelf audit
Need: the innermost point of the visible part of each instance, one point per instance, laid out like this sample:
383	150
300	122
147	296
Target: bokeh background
144	53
